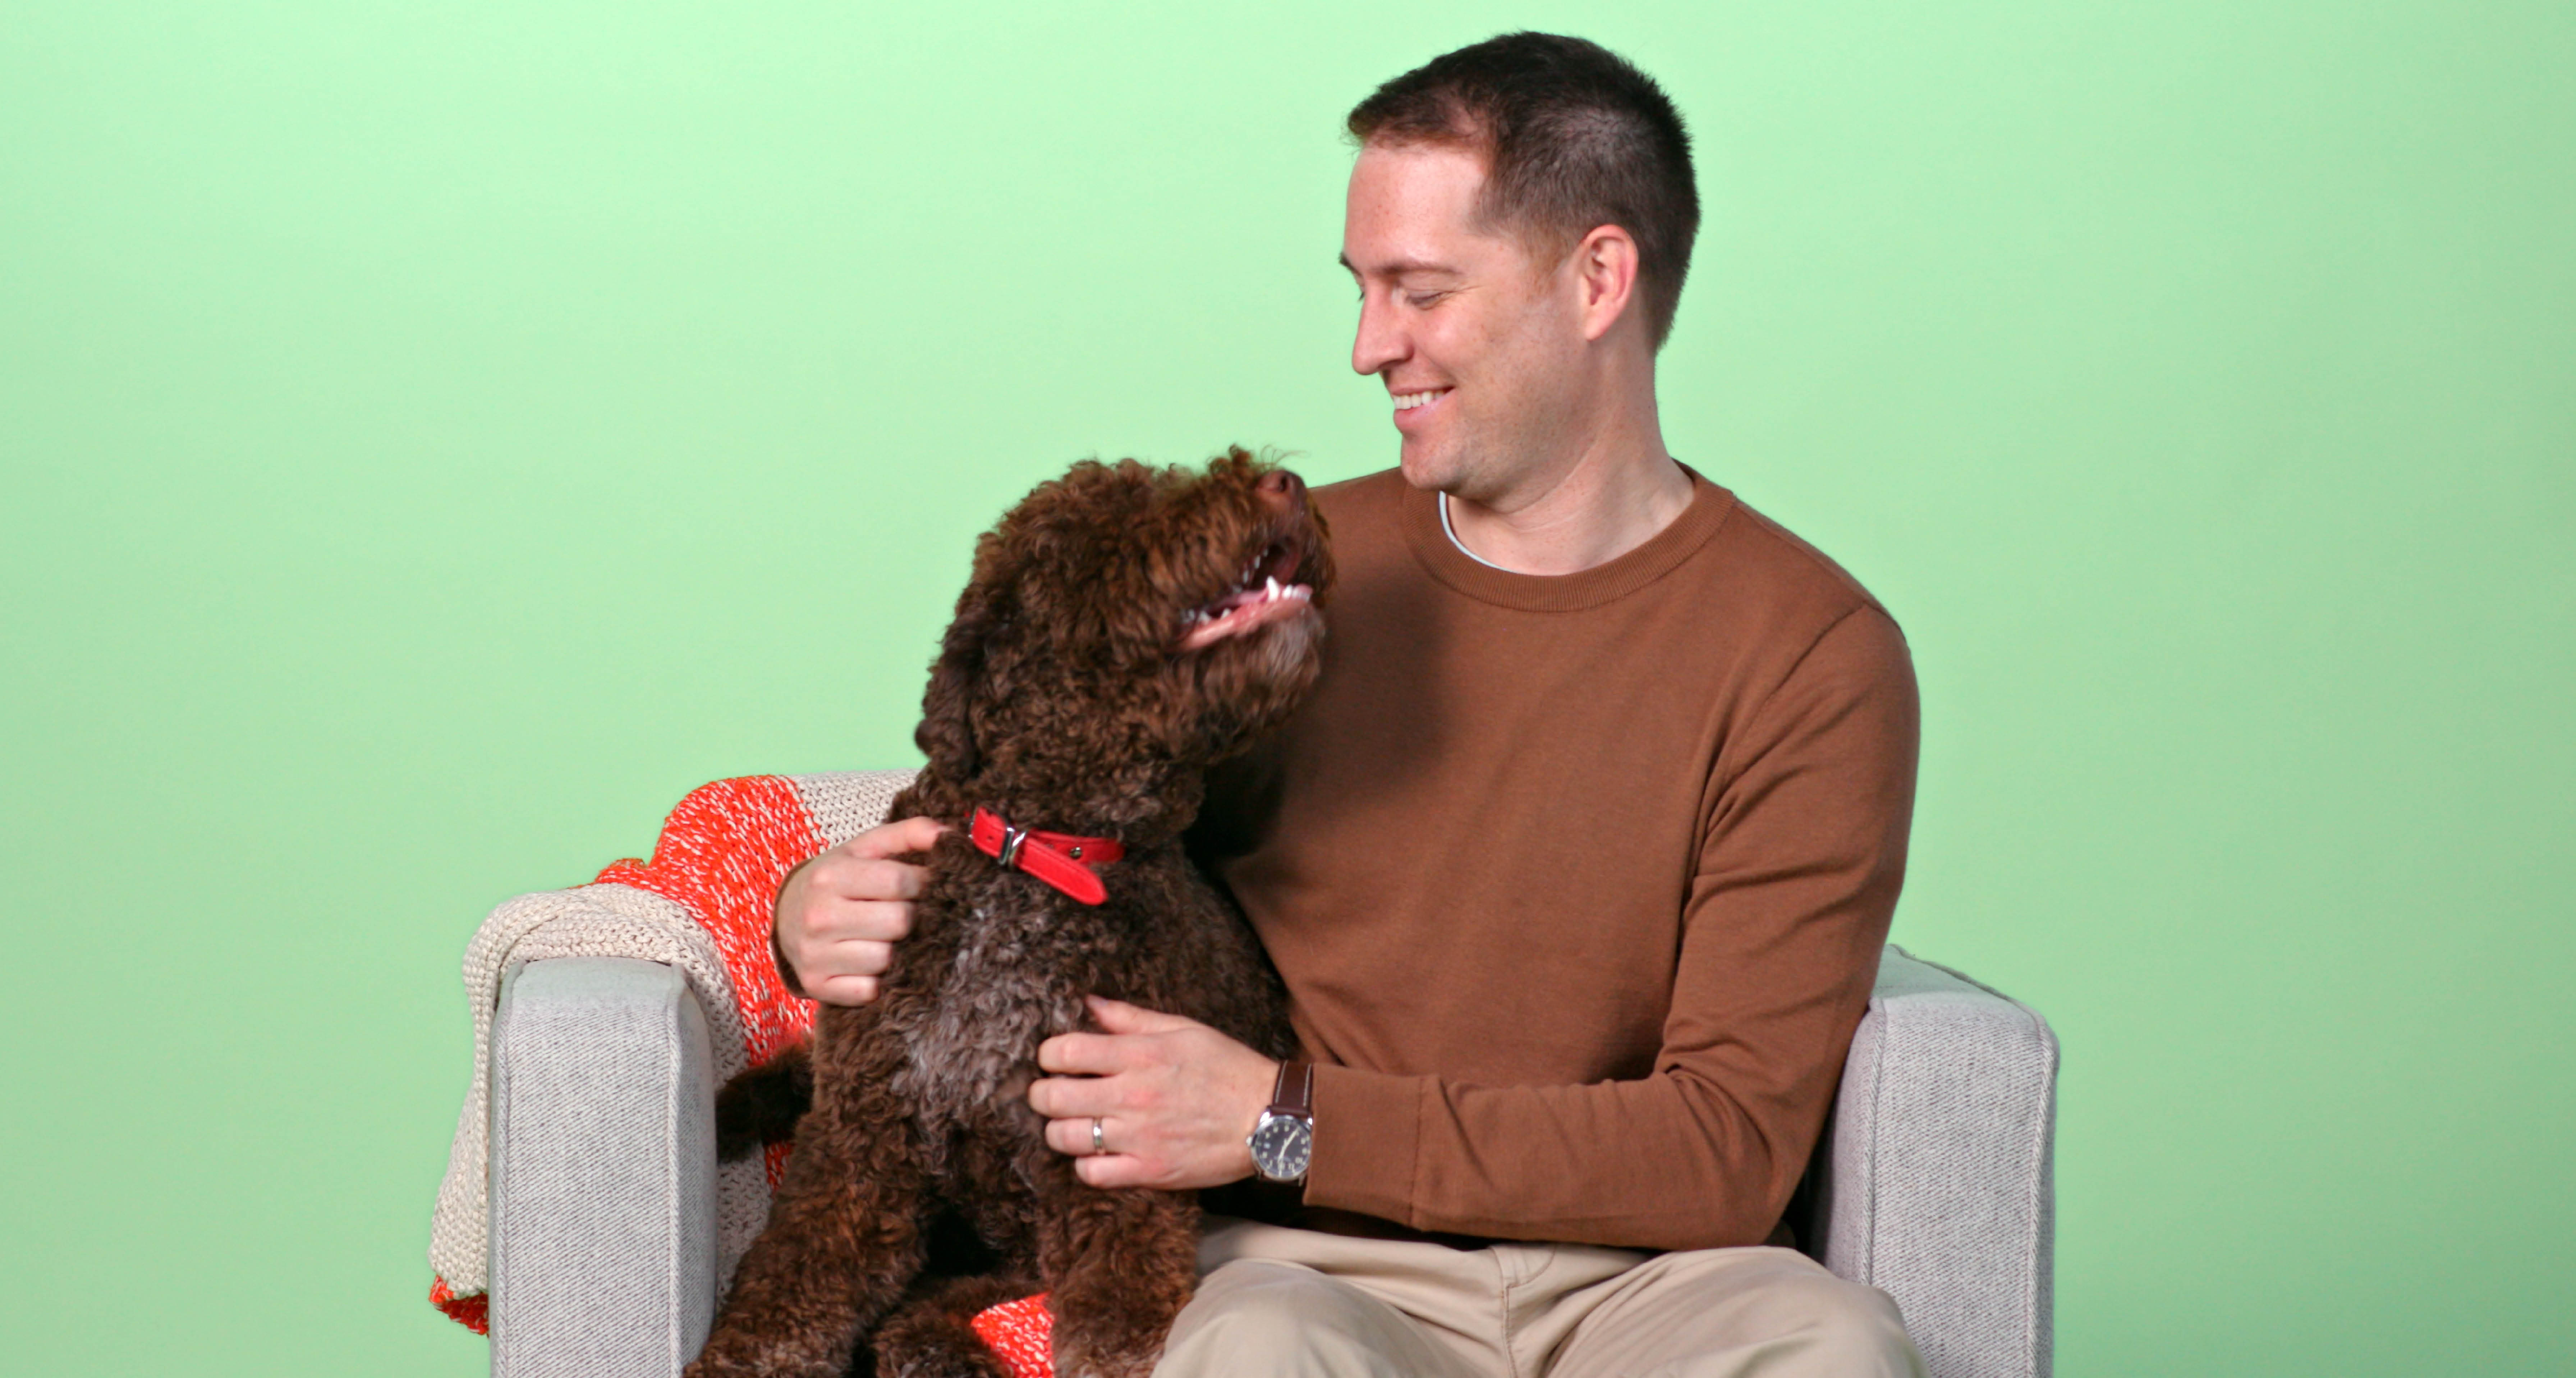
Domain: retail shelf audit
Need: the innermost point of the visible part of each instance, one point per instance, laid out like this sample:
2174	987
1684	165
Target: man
1578	861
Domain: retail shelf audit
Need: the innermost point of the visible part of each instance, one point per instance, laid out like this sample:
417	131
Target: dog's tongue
1252	608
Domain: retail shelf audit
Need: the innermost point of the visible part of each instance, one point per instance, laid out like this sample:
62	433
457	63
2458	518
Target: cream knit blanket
702	906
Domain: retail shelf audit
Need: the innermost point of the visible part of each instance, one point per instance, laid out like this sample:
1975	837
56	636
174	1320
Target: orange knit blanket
714	874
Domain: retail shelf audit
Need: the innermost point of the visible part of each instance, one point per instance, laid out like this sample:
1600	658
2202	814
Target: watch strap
1294	1094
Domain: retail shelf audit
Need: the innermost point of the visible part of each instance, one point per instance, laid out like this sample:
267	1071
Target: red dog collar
1060	859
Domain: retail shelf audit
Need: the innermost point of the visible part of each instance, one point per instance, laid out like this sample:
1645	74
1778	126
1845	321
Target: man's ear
947	731
1605	274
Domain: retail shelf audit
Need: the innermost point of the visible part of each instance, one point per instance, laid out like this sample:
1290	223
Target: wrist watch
1284	1139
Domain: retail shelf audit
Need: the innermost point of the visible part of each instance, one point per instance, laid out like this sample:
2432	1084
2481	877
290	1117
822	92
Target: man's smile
1408	401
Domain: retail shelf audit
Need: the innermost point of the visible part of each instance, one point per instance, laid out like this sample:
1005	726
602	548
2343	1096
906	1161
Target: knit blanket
701	905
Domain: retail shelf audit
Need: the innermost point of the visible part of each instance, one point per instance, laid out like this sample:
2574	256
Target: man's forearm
1668	1162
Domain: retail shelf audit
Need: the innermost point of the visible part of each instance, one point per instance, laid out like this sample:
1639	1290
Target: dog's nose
1280	489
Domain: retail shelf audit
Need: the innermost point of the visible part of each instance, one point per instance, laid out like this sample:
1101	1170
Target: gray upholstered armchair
606	1240
1934	1183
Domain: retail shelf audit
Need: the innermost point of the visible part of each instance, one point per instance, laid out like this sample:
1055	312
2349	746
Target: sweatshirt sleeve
1800	860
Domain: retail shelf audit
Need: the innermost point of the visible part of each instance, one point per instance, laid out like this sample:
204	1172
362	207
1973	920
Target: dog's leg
1119	1266
932	1335
762	1105
843	1242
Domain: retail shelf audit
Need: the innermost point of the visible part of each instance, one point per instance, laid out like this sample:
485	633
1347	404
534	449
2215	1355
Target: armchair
1933	1181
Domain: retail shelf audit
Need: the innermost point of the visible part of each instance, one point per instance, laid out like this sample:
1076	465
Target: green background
434	438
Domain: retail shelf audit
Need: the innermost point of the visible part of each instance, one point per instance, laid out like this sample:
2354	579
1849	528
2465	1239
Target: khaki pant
1283	1303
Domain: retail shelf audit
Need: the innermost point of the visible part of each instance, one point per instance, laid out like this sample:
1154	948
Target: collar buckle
1062	860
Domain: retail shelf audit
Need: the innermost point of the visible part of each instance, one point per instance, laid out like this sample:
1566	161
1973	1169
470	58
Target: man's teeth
1407	401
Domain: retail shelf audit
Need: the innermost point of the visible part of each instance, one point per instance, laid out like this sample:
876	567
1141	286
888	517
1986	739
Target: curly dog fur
1113	643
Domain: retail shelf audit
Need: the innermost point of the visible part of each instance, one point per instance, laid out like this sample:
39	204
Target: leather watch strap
1295	1092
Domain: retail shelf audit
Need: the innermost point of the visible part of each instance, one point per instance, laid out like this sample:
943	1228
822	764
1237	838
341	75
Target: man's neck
1610	500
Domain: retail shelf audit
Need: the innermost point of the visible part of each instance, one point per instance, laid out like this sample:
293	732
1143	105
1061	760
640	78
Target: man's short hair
1573	137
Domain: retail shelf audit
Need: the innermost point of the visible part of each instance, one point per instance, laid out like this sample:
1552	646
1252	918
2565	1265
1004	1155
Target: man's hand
1175	1099
840	915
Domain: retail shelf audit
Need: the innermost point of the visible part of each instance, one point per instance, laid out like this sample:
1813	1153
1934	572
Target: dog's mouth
1267	591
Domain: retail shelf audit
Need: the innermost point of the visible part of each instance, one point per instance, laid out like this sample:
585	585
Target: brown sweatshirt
1577	882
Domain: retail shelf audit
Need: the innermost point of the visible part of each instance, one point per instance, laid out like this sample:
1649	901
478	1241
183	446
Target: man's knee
1855	1329
1253	1306
1260	1319
1731	1313
1825	1325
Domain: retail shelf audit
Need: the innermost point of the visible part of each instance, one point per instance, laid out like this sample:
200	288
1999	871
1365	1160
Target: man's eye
1418	300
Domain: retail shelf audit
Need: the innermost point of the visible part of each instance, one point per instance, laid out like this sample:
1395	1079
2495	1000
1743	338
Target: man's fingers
1072	1137
1110	1171
1078	1098
1108	1166
839	914
1084	1054
868	878
842	990
846	959
1119	1017
894	839
872	921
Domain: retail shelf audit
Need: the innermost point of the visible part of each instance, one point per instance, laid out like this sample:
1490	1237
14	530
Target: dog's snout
1281	489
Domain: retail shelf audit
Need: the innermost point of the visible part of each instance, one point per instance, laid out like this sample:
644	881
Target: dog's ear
947	731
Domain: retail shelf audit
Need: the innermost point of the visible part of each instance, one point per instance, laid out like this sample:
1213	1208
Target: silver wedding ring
1098	1144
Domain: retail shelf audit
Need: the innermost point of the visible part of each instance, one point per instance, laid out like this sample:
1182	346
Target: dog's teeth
1270	591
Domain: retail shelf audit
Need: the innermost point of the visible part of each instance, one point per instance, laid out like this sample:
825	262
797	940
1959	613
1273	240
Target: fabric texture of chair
603	1171
1935	1183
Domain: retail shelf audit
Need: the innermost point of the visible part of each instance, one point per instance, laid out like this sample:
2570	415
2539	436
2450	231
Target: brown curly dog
1125	628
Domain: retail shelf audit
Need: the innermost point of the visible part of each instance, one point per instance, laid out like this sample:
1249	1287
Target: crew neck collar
1449	529
1444	558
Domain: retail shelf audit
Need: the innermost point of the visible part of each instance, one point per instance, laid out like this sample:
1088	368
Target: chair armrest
1939	1188
603	1203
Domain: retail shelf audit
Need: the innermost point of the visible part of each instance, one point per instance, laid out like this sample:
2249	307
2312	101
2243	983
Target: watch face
1281	1145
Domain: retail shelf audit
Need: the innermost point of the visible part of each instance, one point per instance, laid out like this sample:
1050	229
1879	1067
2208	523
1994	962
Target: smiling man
1578	860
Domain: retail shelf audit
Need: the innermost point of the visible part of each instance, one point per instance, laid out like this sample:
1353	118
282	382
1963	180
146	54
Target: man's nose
1280	490
1379	345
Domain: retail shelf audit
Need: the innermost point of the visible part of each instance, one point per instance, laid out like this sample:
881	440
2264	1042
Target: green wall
433	438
